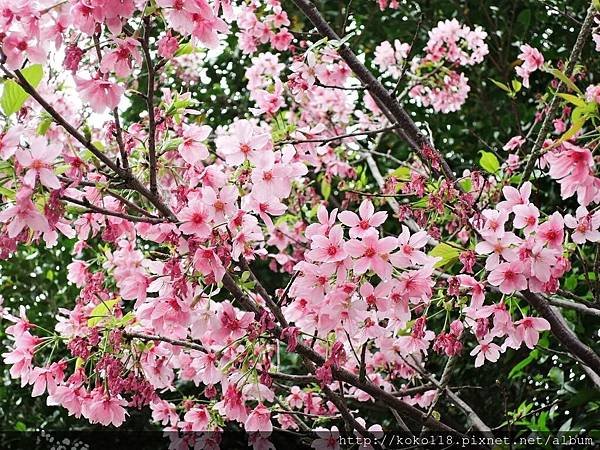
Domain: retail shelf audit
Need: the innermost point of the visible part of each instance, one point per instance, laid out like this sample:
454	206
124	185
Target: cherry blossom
485	350
585	225
38	160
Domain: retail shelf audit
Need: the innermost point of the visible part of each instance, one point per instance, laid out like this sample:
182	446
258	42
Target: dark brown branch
407	128
96	209
127	177
130	204
563	333
340	137
582	308
153	337
119	138
343	88
298	379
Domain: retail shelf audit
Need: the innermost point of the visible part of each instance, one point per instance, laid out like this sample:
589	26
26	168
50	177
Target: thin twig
582	38
150	106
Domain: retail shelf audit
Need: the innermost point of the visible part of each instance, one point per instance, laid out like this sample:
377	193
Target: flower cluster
433	78
534	262
532	60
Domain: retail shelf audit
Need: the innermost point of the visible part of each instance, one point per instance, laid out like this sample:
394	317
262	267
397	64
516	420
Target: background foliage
559	395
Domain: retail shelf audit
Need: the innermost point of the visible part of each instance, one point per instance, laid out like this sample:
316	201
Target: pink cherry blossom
372	253
196	218
327	439
167	45
9	142
514	197
192	150
508	277
514	143
571	166
328	248
99	93
23	214
222	202
498	247
532	60
485	350
17	47
259	419
528	330
245	142
366	221
552	231
526	217
101	408
585	225
198	417
119	60
38	160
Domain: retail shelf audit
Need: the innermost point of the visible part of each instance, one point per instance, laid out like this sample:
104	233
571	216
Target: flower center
198	218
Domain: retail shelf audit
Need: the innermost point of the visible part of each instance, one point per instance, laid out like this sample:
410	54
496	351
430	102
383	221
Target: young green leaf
101	311
13	95
446	252
489	162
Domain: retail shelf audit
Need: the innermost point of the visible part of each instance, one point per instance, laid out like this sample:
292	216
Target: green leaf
101	311
466	184
571	282
565	427
577	101
557	376
13	95
541	423
489	162
20	426
502	86
401	173
421	203
562	77
446	252
516	85
518	369
184	49
572	131
44	125
524	18
325	188
7	193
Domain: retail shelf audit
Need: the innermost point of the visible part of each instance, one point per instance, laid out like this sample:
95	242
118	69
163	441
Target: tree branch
125	175
97	209
562	332
153	337
340	137
407	128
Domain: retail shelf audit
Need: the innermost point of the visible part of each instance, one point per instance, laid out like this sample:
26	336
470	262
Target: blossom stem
150	106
